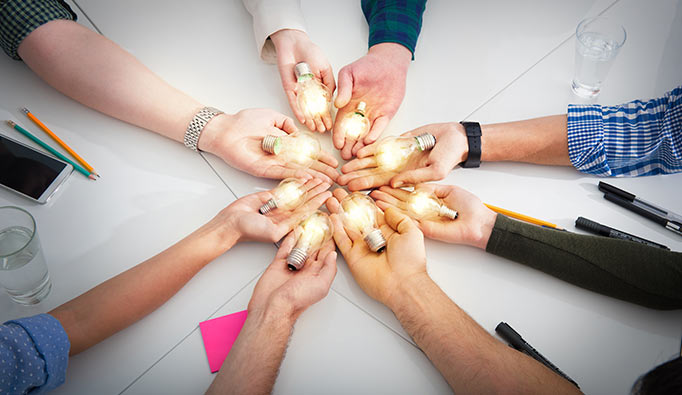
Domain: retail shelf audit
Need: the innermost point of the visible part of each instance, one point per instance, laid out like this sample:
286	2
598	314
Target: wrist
393	53
273	314
408	291
286	37
211	135
460	142
485	229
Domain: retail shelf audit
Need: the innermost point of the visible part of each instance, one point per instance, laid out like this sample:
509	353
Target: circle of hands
378	79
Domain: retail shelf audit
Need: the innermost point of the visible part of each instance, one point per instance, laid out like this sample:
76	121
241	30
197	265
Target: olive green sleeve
634	272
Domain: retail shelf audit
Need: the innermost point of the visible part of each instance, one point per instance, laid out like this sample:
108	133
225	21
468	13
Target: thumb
345	88
398	221
417	176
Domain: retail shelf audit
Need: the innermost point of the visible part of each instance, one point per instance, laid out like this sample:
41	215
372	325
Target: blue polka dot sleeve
34	353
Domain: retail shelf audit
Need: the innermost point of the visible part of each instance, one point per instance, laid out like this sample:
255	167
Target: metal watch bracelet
196	126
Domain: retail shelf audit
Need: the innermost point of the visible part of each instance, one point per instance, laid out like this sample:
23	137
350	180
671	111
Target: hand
380	274
473	226
293	47
237	140
288	292
378	79
243	218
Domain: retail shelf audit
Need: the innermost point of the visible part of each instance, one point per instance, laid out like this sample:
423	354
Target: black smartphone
29	172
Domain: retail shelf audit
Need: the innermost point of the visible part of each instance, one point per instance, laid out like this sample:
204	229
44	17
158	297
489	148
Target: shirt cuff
52	344
270	17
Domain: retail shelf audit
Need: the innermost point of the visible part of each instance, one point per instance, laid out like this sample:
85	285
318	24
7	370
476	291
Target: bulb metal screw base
297	258
426	141
271	144
376	241
268	206
447	212
302	69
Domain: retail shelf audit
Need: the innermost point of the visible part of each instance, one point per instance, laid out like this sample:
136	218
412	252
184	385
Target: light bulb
289	194
310	234
356	124
299	148
394	153
360	215
424	204
313	98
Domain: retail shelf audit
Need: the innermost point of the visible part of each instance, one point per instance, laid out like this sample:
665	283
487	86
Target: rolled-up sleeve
18	18
638	138
394	21
271	16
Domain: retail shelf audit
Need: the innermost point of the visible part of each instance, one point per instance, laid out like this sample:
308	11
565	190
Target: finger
359	164
328	171
397	193
327	158
293	103
345	88
411	177
288	126
280	172
313	203
385	206
285	247
380	196
346	178
443	190
338	134
399	221
328	270
327	76
341	238
315	186
415	132
310	123
378	127
319	125
339	194
358	145
317	260
333	205
347	151
367	150
368	182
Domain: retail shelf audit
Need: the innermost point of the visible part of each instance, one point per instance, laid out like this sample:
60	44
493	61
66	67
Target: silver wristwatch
196	126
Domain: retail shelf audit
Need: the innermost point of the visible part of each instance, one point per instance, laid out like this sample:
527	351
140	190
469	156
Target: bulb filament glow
311	233
288	195
425	205
394	153
299	148
360	215
356	124
312	97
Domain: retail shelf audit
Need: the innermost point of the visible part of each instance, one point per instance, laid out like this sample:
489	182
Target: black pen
603	230
661	216
515	340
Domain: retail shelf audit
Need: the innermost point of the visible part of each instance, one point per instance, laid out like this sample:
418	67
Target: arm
121	300
279	298
469	358
630	271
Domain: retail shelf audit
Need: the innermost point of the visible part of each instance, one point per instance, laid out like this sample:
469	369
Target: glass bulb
356	124
299	148
394	153
360	215
424	204
310	234
289	194
313	98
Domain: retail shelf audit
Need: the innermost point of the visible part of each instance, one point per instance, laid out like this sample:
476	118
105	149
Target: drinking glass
23	272
598	41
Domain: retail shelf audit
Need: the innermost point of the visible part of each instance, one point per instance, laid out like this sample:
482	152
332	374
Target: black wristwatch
473	131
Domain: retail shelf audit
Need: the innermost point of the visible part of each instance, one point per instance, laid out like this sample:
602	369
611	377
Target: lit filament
313	98
393	154
425	205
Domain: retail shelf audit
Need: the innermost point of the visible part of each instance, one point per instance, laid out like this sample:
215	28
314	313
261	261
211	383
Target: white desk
494	61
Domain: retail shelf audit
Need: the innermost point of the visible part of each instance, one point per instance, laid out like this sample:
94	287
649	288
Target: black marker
515	340
603	230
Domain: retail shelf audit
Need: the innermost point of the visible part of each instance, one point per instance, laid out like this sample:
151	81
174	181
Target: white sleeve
270	16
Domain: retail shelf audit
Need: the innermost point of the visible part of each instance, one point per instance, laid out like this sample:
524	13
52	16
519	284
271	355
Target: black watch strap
473	131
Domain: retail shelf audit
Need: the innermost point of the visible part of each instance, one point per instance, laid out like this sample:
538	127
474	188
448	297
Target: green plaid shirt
18	18
394	21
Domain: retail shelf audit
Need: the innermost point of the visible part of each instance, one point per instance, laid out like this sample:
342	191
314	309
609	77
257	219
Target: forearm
539	140
469	358
96	72
131	295
622	269
253	363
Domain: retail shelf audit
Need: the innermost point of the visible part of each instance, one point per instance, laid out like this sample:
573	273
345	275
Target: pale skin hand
278	300
237	140
473	225
379	274
294	46
378	79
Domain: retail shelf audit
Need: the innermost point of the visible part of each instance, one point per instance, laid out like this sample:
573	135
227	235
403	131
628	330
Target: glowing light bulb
299	148
310	234
356	124
424	204
360	215
395	153
313	98
289	194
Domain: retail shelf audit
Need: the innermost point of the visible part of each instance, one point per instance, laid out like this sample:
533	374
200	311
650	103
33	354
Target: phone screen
26	170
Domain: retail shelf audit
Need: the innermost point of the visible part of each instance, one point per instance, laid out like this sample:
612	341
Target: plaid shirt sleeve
394	21
18	18
638	138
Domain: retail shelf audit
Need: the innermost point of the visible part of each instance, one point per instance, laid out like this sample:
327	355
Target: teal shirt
394	21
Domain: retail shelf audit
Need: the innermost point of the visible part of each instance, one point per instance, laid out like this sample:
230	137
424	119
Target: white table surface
490	61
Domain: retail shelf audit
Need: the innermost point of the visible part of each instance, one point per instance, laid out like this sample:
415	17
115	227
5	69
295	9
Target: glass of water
598	41
23	272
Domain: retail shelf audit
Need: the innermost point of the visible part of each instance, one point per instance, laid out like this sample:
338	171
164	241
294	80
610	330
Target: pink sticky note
219	334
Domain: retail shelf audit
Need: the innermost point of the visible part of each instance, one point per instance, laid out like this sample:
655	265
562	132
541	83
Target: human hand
242	216
293	47
237	140
378	79
289	293
380	274
473	225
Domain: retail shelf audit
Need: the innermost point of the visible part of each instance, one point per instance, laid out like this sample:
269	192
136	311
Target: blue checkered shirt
639	138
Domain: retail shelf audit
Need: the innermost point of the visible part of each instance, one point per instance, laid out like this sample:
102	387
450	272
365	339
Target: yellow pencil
59	141
523	217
